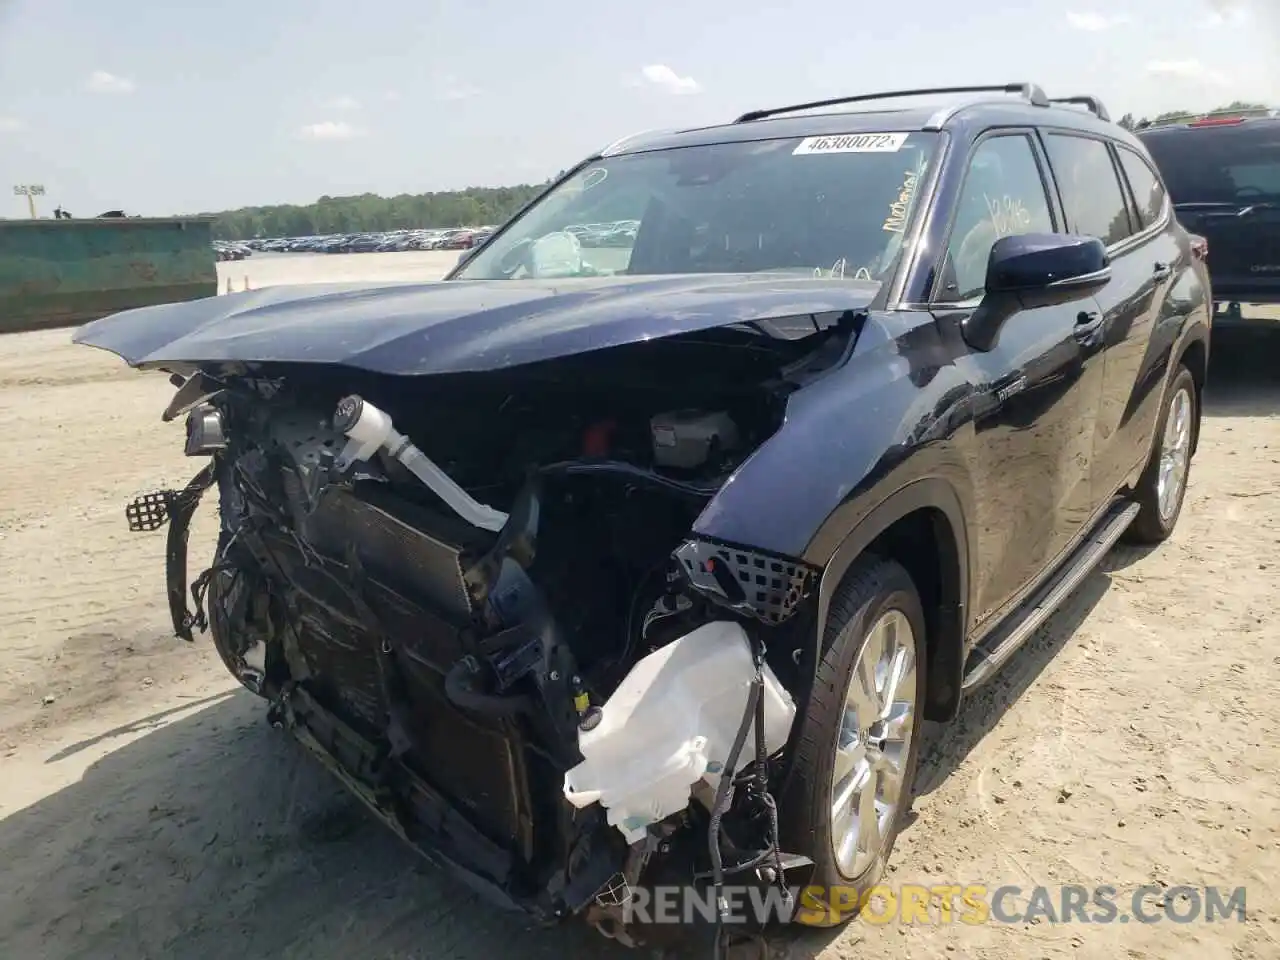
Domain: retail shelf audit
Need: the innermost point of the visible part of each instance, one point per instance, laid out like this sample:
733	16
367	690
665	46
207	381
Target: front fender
886	435
856	421
897	411
926	493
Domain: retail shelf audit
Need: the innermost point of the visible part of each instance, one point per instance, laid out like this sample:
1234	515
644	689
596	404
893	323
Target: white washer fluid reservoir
671	723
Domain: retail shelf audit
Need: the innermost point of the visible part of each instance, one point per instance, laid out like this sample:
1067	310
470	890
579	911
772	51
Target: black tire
871	588
230	648
1149	527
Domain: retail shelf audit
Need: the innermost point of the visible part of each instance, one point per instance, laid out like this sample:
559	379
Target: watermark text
940	904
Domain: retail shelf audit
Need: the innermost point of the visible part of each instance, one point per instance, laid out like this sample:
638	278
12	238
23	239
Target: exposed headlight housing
768	586
206	431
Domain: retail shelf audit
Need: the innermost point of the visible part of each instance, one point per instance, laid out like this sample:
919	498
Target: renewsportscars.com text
934	904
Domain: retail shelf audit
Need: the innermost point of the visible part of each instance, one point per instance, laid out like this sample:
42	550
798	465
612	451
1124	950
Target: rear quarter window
1148	192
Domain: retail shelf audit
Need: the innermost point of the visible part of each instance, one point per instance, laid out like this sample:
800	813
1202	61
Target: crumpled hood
461	326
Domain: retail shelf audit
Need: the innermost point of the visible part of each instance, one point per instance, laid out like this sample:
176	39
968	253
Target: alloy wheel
1175	453
873	743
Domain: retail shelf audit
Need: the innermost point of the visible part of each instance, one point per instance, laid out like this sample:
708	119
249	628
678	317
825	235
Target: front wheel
856	757
1163	485
244	656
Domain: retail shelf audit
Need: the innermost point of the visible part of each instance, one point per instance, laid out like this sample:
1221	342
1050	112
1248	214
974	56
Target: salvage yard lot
147	810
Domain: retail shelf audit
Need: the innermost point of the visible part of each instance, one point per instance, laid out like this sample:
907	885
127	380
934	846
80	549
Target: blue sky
176	106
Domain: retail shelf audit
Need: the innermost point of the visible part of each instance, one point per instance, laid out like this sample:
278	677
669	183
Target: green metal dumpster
64	272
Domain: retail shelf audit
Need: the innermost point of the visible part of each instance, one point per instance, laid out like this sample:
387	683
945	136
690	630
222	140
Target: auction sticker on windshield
852	143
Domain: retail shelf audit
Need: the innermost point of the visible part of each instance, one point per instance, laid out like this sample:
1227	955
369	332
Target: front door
1038	387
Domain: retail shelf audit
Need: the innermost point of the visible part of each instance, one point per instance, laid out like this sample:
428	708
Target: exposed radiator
414	586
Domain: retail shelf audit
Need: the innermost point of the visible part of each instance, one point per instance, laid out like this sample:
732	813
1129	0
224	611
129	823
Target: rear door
1096	204
1224	177
1154	258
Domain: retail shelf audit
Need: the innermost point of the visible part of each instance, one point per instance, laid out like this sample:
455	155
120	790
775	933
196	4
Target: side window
1147	189
1091	191
1003	194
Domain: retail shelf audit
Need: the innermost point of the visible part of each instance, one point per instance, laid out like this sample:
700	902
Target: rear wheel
856	758
1163	486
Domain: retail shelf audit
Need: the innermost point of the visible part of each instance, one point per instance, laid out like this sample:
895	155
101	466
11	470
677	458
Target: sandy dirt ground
147	809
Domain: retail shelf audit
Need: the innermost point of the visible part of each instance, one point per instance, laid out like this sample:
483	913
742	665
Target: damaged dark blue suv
592	569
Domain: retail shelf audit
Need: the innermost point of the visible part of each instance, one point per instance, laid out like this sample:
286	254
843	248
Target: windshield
1225	164
826	206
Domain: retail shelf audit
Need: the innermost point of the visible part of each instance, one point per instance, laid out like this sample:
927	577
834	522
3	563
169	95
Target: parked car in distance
1223	170
591	569
224	250
613	234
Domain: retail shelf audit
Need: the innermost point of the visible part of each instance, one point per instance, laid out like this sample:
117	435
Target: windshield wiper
1253	207
1226	208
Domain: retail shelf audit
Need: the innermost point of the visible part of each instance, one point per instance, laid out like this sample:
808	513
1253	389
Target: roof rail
1093	103
1028	91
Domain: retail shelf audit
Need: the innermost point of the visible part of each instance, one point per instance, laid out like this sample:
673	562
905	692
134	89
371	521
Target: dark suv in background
1223	170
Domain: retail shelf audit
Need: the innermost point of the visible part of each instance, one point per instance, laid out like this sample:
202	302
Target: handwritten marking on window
896	222
1008	214
837	272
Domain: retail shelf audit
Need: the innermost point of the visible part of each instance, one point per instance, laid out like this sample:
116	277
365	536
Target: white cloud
661	76
11	124
1223	12
331	130
392	96
1095	22
343	103
102	82
449	87
1192	70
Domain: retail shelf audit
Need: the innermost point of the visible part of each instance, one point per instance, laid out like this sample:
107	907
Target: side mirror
1047	267
1035	270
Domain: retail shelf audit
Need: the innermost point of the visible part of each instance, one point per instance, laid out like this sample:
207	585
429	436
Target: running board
994	652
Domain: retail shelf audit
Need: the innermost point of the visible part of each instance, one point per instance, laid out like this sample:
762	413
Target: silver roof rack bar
1030	92
1093	104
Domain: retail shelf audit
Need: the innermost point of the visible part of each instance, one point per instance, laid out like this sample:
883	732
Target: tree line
371	213
473	206
1130	122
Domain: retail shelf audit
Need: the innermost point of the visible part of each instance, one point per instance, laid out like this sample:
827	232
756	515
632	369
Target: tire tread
868	583
1147	528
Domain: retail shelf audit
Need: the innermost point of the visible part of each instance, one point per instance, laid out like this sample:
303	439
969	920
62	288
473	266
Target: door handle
1087	324
1163	270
